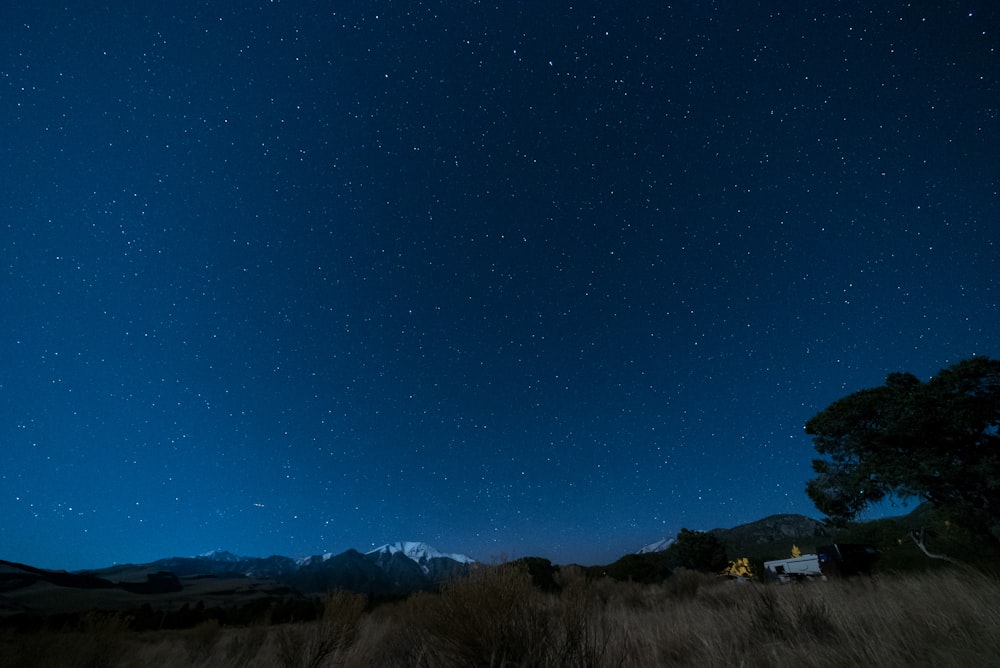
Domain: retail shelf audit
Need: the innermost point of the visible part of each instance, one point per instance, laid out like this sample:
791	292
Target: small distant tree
698	551
796	552
937	441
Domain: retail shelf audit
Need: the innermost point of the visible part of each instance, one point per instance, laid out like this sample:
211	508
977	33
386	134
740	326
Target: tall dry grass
495	617
325	641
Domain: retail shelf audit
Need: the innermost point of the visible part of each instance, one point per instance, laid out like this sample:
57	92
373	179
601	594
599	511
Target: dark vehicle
846	559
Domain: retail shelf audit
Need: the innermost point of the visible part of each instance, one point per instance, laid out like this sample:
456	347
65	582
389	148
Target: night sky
519	278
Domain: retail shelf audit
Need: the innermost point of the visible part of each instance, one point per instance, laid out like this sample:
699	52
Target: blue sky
521	280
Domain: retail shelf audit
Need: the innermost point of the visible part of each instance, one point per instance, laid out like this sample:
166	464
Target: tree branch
918	538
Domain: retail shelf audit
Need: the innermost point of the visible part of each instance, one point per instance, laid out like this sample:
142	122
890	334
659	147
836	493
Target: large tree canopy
938	441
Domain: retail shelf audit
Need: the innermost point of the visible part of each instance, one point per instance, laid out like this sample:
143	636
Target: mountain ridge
391	570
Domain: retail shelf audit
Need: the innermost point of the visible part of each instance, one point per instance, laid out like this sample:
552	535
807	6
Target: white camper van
805	567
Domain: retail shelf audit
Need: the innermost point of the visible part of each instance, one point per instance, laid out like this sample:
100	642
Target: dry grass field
495	617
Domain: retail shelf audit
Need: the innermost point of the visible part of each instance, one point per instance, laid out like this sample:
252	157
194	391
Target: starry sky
521	278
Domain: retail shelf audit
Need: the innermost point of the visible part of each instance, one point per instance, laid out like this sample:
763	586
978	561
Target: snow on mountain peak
314	558
418	551
658	546
219	555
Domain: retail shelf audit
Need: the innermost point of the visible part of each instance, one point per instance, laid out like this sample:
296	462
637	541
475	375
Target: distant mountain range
223	578
771	536
392	569
395	569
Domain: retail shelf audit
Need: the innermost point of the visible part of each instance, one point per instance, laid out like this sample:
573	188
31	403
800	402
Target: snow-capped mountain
219	555
326	556
410	561
659	546
419	552
220	563
393	569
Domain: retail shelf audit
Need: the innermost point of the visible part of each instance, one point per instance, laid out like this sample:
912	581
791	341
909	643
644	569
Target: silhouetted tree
541	570
698	551
648	568
936	441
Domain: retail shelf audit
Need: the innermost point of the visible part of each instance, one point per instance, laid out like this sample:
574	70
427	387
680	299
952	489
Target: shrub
308	645
491	617
202	638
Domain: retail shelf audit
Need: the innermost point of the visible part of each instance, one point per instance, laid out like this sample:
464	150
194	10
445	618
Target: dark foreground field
495	617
